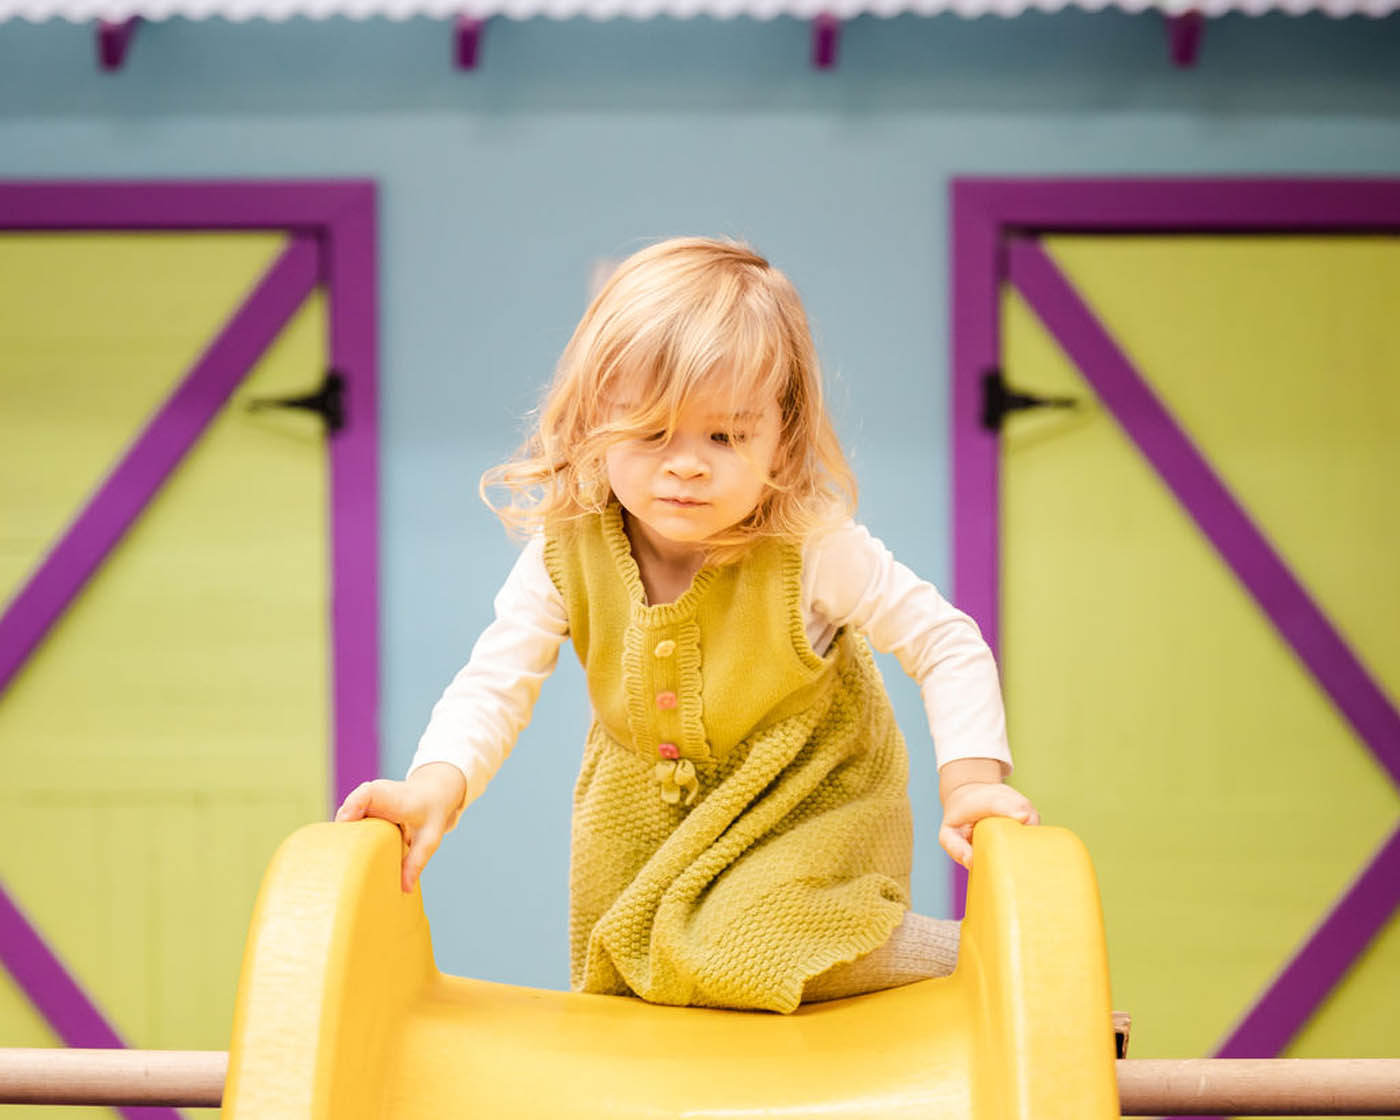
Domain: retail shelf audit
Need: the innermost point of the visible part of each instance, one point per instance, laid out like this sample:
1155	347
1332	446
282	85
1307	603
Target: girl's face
710	475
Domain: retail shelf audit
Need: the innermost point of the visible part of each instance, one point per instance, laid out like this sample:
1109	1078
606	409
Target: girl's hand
968	803
424	807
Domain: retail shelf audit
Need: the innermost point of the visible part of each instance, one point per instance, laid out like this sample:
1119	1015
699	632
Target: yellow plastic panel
335	955
1156	712
174	726
341	1014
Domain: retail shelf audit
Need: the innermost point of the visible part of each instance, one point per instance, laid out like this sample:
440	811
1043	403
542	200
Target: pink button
668	750
665	699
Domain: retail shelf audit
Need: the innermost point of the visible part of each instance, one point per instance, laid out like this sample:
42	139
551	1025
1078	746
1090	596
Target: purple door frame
332	244
995	224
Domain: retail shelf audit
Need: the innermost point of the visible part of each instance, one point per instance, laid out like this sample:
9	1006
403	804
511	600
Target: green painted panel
96	329
1278	356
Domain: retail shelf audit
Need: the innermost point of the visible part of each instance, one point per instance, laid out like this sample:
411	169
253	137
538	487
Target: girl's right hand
966	804
425	807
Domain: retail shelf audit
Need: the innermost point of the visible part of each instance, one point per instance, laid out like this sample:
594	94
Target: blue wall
579	140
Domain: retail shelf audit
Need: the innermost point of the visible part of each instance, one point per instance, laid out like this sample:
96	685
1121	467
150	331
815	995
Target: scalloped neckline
616	533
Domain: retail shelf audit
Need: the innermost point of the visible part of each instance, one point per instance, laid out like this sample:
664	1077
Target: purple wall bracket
467	42
826	39
1184	36
114	40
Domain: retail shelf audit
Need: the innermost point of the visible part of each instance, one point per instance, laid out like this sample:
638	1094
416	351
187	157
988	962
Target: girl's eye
653	437
729	438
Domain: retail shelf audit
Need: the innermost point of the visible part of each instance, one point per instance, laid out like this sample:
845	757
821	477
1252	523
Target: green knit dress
741	820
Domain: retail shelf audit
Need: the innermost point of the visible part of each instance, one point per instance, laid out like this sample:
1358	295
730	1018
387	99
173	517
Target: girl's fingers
420	849
355	803
1026	813
956	844
379	798
387	800
1018	809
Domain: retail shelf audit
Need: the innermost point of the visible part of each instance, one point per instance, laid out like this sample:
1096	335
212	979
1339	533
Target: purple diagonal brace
173	431
57	996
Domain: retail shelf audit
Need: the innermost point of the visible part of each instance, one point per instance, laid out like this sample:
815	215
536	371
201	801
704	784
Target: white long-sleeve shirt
849	578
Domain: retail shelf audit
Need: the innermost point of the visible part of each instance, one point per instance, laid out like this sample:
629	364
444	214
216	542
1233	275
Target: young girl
741	829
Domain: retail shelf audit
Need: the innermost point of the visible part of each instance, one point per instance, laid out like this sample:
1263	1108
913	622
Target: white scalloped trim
88	10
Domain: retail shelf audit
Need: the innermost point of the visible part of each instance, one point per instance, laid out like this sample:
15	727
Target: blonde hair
672	316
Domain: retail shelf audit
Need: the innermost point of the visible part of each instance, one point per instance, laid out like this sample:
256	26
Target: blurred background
271	619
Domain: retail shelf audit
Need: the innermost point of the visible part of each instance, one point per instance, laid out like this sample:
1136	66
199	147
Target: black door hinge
328	402
998	399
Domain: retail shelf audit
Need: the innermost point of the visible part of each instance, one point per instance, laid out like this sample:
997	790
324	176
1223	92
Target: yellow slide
342	1013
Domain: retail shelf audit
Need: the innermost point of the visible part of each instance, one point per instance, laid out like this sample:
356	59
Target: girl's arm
851	579
476	722
482	712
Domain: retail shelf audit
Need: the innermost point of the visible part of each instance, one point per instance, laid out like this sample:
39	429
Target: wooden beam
1260	1087
1146	1086
113	1077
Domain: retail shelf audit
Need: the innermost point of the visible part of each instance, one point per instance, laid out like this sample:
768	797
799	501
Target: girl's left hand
968	803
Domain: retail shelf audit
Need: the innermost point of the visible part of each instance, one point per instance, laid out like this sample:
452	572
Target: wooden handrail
1146	1086
1259	1087
113	1077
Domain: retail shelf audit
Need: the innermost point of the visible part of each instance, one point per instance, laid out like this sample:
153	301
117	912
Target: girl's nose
684	462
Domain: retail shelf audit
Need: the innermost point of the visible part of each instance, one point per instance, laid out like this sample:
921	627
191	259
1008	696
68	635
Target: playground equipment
342	1014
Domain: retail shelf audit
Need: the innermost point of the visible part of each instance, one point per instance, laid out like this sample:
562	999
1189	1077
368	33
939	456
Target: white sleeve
487	705
850	578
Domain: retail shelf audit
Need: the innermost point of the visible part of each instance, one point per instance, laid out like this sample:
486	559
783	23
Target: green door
173	726
1155	705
